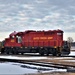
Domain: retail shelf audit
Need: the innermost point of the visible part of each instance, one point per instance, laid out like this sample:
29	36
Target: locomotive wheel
47	54
46	51
2	51
54	52
7	51
22	53
15	52
41	52
59	54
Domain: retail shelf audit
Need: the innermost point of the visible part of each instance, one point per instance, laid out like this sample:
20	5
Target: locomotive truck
30	41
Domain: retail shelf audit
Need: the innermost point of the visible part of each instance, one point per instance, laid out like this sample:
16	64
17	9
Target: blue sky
21	15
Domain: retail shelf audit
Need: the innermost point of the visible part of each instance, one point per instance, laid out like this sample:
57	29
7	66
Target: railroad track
67	56
59	66
36	55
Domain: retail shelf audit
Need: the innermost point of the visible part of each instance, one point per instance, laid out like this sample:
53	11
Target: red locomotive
42	42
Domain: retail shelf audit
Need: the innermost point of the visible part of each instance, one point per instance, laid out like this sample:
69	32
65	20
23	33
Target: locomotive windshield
12	37
59	33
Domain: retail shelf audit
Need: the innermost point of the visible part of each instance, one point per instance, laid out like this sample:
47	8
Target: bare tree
69	40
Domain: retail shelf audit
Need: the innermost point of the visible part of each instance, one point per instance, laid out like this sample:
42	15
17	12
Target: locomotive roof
29	31
13	33
44	31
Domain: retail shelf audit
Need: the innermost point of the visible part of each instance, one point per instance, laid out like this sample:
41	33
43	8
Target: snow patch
23	58
15	68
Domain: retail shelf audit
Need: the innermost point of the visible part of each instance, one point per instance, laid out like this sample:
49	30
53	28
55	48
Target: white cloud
27	6
40	1
23	19
51	16
7	20
21	14
4	35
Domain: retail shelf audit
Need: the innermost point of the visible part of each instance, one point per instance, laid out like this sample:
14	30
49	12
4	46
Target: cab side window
19	39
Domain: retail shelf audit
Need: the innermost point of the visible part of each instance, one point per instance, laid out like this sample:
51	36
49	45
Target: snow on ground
72	53
8	68
15	68
33	58
23	58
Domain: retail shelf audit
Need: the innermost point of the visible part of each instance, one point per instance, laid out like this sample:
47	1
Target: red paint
36	39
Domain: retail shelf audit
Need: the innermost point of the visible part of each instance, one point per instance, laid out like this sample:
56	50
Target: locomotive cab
11	43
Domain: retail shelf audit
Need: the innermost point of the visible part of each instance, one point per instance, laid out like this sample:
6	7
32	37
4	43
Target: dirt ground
53	74
68	61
